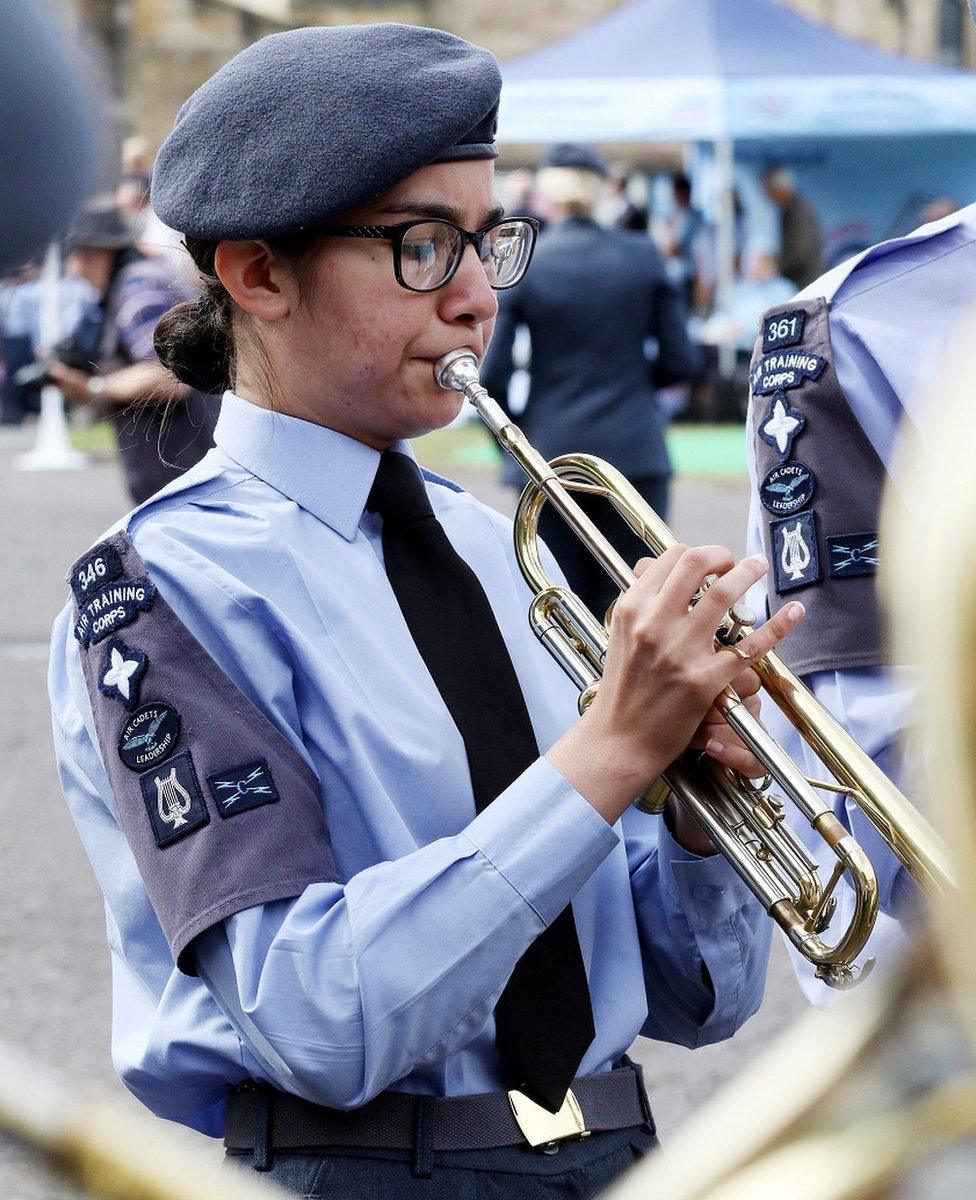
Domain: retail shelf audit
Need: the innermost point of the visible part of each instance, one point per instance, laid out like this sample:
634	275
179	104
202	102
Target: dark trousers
583	573
577	1169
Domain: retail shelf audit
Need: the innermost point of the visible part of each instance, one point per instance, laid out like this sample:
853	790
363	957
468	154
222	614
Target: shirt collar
325	472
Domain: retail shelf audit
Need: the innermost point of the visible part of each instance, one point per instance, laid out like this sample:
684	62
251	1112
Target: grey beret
303	126
571	154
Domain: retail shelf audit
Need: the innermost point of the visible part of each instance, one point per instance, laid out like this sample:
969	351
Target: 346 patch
783	371
149	736
173	799
852	554
783	329
102	565
796	556
122	672
113	606
787	488
239	788
782	426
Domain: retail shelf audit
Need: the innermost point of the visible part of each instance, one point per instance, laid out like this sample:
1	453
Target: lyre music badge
796	554
173	799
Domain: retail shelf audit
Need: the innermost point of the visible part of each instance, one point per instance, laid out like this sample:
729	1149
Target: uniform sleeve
874	705
704	937
346	988
170	1042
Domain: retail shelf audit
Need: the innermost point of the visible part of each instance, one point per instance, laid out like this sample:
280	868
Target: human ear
257	280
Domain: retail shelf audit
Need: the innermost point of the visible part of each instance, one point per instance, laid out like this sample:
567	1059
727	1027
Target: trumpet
745	819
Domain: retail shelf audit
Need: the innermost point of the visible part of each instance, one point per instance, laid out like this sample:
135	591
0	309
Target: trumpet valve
740	621
768	812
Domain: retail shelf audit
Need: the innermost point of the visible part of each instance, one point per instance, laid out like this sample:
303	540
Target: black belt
261	1119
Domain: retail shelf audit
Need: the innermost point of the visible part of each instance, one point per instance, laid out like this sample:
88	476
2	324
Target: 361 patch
102	565
787	488
796	556
150	735
122	672
783	329
111	607
173	799
783	371
782	426
851	554
240	788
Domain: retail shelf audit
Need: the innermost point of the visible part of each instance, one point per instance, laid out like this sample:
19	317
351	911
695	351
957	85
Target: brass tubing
578	641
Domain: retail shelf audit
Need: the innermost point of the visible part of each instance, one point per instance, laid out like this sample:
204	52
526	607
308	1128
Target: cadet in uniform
834	374
364	866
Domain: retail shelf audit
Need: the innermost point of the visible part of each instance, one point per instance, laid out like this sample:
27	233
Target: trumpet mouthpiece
456	370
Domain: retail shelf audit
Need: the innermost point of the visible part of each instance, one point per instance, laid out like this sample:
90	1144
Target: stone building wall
907	26
158	51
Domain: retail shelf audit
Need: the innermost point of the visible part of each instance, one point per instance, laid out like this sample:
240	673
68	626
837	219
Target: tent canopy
710	69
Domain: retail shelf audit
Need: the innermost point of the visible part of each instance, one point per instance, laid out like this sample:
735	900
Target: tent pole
725	243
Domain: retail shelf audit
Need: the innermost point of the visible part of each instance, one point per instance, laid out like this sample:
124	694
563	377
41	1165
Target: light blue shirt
893	315
389	977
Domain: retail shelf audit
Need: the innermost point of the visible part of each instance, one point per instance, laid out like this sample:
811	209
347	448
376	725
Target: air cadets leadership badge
149	736
787	488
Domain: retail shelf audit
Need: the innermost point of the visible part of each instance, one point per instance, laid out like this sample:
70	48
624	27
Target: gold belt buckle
540	1127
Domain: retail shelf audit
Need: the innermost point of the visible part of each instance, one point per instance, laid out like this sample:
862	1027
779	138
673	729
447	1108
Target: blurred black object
78	349
69	350
47	130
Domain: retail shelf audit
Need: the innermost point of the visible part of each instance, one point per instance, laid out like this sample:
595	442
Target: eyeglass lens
430	251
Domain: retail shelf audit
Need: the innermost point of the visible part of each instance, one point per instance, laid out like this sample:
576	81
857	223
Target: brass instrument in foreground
744	821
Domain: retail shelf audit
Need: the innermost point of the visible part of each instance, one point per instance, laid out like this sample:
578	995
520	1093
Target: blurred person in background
162	428
519	195
594	298
801	239
758	288
619	210
935	210
682	236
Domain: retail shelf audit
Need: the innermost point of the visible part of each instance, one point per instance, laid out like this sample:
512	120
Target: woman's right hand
662	672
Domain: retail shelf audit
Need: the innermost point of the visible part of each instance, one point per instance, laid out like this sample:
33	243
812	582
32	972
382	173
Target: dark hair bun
192	342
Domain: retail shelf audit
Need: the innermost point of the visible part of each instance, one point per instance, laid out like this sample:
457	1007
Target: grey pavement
54	978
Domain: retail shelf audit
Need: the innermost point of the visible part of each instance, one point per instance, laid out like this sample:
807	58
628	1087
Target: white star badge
124	669
782	425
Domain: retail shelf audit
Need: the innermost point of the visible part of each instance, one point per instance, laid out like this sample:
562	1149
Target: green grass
94	439
711	451
714	451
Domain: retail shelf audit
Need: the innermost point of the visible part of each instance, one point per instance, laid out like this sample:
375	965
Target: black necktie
543	1019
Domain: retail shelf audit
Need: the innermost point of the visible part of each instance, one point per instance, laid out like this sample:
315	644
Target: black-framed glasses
427	253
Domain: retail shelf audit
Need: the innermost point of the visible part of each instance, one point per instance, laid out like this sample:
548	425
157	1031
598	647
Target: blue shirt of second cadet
389	977
894	313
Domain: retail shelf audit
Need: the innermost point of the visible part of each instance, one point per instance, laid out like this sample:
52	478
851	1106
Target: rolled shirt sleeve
704	937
